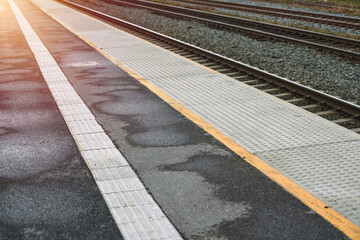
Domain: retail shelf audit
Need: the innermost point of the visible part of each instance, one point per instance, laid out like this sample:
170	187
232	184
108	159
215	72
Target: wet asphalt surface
46	190
207	191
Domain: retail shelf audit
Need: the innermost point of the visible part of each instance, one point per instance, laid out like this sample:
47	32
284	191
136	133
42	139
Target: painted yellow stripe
336	219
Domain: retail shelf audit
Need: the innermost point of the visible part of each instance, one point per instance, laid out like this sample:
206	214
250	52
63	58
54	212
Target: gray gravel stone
293	22
281	20
319	70
278	5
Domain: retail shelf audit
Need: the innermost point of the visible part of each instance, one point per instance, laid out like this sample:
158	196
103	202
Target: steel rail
326	5
247	21
307	92
288	13
227	22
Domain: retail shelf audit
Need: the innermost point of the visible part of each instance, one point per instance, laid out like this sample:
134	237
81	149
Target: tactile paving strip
110	39
264	125
142	218
257	121
187	88
140	52
163	68
332	173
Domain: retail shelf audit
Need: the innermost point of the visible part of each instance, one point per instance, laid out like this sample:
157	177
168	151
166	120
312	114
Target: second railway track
328	19
344	47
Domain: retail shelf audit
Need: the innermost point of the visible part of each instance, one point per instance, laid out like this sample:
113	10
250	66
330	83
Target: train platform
106	136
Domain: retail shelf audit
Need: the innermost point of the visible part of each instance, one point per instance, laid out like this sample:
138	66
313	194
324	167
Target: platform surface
46	189
200	185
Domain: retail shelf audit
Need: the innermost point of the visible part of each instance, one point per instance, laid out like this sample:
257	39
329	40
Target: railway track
344	47
334	20
328	5
334	109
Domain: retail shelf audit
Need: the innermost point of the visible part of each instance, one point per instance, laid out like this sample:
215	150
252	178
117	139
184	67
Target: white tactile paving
76	112
67	97
111	40
186	88
122	199
120	185
264	125
140	52
153	231
60	86
337	182
157	72
114	172
53	77
93	141
104	158
134	210
84	127
282	127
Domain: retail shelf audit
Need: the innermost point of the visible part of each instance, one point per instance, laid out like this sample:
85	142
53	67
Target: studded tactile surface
331	173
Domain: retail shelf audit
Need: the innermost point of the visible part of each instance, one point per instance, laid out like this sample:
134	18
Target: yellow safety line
332	216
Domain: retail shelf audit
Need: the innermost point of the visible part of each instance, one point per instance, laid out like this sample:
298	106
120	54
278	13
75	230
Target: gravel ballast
322	71
291	22
279	5
279	20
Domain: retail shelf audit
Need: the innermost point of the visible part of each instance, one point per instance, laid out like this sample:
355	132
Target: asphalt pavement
46	189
